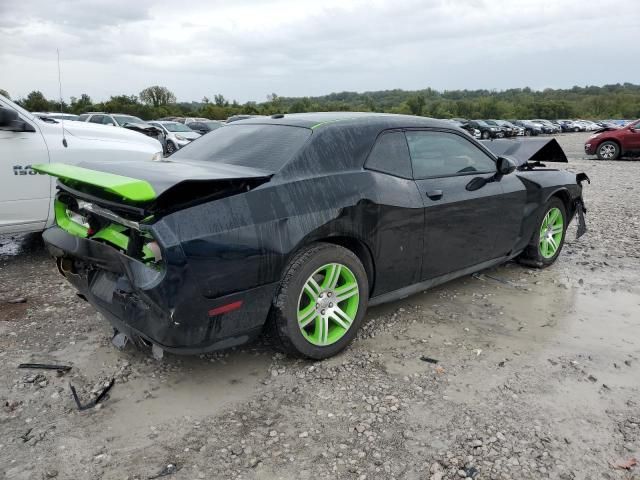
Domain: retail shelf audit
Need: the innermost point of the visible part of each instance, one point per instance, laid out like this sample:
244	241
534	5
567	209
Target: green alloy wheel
328	304
320	303
551	232
547	240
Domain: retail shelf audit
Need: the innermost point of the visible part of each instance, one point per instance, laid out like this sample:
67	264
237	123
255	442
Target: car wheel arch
565	198
612	140
352	243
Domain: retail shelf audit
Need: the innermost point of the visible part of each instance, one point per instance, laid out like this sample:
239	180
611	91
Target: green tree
157	96
416	103
82	104
36	102
4	93
220	101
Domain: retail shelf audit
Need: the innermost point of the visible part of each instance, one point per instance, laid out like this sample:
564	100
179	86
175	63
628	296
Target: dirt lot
537	376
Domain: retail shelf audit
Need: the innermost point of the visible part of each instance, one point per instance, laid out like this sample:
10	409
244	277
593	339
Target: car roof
346	119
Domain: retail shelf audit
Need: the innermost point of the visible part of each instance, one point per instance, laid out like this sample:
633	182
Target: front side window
443	154
390	155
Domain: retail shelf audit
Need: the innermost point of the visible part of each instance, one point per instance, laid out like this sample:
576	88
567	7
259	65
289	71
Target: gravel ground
537	376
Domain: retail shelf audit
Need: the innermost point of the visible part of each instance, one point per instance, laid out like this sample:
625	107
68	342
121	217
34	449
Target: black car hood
528	149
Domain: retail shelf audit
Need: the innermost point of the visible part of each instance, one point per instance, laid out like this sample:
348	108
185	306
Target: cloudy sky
246	49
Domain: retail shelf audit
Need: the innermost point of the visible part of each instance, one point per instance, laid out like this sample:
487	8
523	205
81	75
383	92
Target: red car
611	143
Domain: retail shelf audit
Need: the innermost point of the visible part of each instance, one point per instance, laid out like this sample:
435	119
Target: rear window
268	147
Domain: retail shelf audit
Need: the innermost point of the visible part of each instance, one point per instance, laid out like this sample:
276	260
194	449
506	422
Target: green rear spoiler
126	187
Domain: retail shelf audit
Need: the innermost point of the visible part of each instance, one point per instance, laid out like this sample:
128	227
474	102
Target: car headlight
156	157
493	129
180	137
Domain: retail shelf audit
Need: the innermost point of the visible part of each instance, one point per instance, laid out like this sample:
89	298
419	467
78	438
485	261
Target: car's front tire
548	237
171	148
608	151
527	133
485	135
320	303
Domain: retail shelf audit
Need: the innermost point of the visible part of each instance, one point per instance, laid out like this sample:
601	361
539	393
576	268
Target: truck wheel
321	302
548	238
608	151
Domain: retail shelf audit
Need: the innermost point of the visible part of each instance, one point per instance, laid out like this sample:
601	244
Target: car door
461	226
631	140
394	209
24	194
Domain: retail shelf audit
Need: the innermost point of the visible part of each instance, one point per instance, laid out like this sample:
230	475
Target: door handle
435	194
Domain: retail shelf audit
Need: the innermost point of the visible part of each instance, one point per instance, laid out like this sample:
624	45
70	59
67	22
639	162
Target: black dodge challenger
294	224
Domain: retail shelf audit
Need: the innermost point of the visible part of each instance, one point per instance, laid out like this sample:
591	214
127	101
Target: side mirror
10	121
505	166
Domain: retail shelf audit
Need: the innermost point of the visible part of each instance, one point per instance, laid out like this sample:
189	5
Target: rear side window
390	155
83	117
96	118
268	147
442	154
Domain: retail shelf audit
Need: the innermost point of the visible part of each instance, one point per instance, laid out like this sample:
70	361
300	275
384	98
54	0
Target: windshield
482	123
267	147
17	108
491	122
176	127
213	125
122	119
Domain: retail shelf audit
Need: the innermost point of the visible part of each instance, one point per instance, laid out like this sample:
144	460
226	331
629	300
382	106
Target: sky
247	49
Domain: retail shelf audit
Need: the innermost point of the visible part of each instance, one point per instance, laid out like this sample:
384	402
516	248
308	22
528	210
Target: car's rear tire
305	319
608	151
548	237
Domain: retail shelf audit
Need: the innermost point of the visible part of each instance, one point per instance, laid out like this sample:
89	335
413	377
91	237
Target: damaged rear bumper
163	306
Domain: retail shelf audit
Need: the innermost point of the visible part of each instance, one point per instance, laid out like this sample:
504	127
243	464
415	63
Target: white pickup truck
26	196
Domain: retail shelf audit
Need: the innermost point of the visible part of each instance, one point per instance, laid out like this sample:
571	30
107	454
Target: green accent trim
328	304
331	121
126	187
65	222
551	232
114	234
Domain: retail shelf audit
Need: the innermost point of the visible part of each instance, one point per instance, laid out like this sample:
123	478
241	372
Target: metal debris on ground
424	358
93	403
46	366
170	469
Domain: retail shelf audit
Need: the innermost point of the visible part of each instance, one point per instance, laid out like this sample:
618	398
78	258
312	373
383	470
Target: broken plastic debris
424	358
625	464
93	403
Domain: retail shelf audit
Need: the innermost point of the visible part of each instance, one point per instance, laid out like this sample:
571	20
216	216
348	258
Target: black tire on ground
576	129
531	256
171	148
485	135
527	133
608	151
282	324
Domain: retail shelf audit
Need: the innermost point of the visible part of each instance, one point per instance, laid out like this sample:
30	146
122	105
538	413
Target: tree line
591	102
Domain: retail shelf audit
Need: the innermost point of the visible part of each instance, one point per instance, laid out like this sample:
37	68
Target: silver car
177	134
